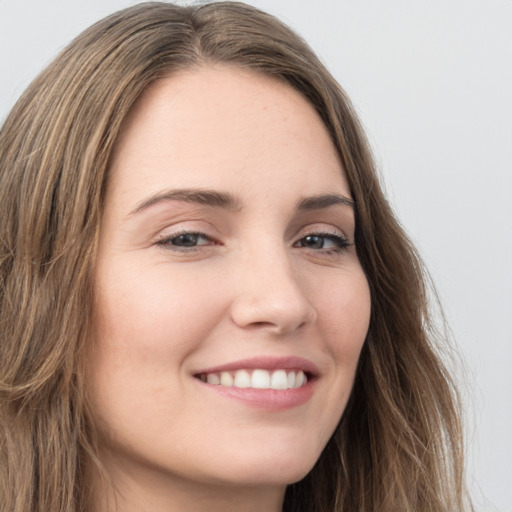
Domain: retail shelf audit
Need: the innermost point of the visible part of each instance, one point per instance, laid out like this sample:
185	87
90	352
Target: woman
207	302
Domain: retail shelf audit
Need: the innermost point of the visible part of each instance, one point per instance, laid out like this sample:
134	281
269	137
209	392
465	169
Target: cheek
144	330
155	310
344	320
345	316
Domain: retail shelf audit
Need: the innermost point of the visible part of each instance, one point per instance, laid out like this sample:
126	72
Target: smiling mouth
278	379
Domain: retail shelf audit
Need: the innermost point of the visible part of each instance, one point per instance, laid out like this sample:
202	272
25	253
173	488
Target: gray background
432	82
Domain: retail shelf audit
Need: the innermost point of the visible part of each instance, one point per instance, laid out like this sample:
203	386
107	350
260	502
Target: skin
252	286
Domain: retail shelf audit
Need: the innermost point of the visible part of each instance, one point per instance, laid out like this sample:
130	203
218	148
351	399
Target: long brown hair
398	446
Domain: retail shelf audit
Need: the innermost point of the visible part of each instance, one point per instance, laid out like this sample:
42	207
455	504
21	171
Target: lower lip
268	399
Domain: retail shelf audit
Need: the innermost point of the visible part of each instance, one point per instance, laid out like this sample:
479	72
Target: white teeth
257	379
260	379
213	378
242	379
279	380
300	379
226	379
291	380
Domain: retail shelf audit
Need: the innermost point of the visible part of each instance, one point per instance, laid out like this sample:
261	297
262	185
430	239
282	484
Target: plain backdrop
432	82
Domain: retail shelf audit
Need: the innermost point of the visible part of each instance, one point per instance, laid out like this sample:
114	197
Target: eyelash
167	241
341	242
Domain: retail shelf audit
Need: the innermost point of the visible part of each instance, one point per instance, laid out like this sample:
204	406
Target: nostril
262	324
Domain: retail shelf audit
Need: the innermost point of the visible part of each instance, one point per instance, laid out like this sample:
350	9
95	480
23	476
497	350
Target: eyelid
341	241
338	239
164	240
323	229
175	227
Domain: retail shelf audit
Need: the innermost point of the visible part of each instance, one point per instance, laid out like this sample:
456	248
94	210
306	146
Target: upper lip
265	363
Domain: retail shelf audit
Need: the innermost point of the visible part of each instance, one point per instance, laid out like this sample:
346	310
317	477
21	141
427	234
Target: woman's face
226	265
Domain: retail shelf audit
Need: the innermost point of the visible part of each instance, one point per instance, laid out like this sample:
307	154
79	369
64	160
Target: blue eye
326	242
185	241
323	241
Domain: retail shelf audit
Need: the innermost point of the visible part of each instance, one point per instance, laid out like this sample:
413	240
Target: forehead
224	127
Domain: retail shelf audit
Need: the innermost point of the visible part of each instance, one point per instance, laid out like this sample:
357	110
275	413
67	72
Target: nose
271	295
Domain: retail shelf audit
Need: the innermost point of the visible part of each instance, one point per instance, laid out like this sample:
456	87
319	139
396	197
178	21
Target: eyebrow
196	196
324	201
228	201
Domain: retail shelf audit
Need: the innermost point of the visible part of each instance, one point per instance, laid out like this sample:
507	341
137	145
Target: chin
270	467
